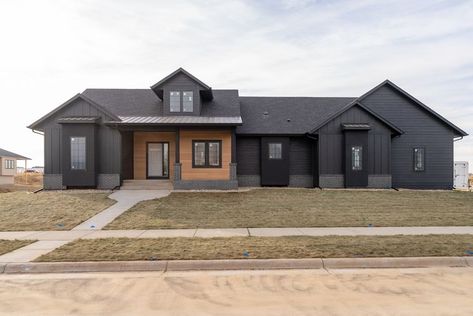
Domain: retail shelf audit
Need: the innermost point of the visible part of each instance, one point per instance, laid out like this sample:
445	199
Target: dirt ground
297	292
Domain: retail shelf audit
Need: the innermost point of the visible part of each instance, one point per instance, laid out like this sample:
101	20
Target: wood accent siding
189	173
139	157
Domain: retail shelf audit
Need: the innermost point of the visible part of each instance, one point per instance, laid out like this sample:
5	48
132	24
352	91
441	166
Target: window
357	158
419	159
9	164
187	101
275	150
175	101
207	154
78	153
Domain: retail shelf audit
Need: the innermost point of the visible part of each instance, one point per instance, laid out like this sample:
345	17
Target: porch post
177	161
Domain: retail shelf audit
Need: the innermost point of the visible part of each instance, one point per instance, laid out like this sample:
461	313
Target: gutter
38	132
455	140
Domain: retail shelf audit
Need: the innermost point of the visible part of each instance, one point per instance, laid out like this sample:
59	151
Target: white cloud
51	50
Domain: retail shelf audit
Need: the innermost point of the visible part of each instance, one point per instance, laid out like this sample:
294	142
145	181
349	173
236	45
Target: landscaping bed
125	249
300	208
20	211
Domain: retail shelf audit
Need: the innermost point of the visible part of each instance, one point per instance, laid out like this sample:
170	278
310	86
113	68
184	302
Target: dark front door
356	159
275	161
157	160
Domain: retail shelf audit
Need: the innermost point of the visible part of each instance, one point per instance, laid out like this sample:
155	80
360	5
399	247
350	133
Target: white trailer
460	175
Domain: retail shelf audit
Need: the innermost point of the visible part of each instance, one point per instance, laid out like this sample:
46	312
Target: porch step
147	185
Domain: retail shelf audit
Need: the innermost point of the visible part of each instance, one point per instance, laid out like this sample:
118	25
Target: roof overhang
458	131
356	126
178	121
79	120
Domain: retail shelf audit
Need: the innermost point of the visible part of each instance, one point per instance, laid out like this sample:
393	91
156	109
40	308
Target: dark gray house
189	135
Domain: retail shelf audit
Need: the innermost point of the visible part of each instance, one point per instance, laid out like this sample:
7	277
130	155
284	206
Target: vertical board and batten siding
331	143
181	83
421	130
109	141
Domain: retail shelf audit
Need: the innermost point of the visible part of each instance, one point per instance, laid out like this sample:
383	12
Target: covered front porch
182	158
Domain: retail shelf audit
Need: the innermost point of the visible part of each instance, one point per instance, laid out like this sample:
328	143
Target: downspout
37	132
455	140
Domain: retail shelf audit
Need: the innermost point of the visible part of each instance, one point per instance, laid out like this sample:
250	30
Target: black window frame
85	153
414	159
180	101
206	154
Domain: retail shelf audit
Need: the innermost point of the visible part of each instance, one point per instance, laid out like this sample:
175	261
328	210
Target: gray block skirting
52	182
177	171
108	181
381	181
205	185
301	181
233	171
332	181
249	180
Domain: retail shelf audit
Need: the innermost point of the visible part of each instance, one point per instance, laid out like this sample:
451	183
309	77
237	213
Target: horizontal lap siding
300	156
139	144
248	155
421	130
190	173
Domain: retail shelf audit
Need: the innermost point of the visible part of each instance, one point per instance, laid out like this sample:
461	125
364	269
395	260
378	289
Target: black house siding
300	156
421	130
108	140
331	140
182	83
248	155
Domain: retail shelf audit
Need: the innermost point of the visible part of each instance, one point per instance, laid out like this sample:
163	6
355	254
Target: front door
356	159
275	161
157	160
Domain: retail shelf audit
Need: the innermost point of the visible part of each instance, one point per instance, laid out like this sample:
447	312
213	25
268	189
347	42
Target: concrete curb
235	264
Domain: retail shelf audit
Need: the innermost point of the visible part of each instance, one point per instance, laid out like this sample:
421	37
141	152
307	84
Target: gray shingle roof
6	153
144	102
286	115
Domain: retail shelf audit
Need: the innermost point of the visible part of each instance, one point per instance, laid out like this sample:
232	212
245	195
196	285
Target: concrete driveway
298	292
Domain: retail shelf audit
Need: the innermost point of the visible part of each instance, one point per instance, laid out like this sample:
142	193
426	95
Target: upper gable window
188	101
175	101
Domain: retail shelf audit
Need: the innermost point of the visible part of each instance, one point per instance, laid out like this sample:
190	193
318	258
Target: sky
51	50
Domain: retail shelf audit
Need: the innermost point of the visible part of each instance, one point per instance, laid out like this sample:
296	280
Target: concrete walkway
50	240
233	232
125	200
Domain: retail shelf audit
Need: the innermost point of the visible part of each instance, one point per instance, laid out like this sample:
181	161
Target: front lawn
123	249
49	210
300	208
7	246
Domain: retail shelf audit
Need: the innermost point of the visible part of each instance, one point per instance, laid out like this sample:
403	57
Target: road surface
447	291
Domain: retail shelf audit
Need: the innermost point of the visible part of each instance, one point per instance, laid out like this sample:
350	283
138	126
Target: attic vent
265	114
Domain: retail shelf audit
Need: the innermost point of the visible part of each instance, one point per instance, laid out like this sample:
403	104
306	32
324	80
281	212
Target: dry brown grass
10	245
300	208
35	179
48	210
122	249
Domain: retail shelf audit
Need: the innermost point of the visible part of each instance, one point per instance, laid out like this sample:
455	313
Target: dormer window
187	101
186	104
175	101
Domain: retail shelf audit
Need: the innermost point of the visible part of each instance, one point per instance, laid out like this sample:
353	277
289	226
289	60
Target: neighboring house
204	138
8	166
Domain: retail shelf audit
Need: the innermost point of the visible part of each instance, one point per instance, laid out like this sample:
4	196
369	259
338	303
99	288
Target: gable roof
67	103
6	153
180	70
286	115
356	102
144	102
387	82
